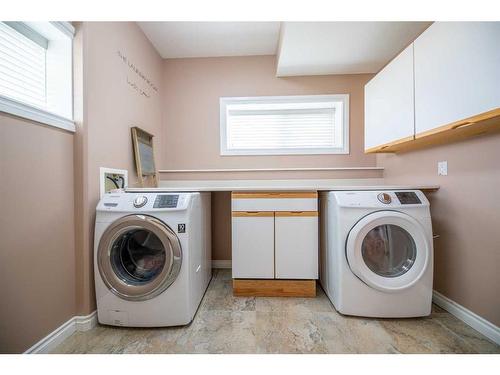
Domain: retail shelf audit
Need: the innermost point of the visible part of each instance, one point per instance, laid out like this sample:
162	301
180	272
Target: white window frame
343	98
30	112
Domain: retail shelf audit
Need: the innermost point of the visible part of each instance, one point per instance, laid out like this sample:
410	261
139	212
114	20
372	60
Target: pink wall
37	257
465	213
52	180
192	88
116	97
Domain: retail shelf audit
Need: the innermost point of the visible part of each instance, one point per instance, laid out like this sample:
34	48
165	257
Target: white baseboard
76	323
468	317
221	263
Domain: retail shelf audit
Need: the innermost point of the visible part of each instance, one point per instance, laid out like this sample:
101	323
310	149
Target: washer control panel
138	202
166	201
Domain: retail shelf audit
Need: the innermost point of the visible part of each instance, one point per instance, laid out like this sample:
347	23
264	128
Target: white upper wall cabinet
457	72
389	102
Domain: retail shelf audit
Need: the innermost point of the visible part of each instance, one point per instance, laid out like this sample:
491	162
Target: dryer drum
389	250
139	257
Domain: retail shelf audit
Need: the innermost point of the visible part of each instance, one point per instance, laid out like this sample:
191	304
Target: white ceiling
210	39
312	48
306	48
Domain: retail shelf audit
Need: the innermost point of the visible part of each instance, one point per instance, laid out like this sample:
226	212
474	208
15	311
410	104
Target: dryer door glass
389	250
138	256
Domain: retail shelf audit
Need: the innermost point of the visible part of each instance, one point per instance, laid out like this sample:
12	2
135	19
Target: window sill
271	152
26	111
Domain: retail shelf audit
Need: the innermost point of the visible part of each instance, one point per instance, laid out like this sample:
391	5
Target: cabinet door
457	72
389	106
253	245
296	245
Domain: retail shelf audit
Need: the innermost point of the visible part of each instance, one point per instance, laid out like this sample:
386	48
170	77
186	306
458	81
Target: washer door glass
139	257
389	250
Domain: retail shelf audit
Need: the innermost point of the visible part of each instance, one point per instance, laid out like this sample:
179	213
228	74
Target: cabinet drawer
275	201
253	245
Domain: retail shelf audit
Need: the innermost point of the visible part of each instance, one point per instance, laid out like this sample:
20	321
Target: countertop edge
282	185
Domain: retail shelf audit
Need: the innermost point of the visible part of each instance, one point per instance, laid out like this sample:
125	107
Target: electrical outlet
442	168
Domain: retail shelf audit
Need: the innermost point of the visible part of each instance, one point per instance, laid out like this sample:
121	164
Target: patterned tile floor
227	324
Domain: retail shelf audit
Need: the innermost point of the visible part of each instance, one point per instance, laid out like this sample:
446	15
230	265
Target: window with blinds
22	66
284	125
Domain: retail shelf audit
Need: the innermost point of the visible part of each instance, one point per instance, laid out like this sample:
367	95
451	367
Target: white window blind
22	68
284	125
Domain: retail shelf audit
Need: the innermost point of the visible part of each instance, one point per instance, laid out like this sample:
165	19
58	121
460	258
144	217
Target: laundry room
250	184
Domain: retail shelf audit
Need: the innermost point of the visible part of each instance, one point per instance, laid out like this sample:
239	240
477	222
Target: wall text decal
139	74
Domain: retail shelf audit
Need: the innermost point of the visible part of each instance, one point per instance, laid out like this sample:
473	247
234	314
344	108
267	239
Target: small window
22	74
36	71
285	125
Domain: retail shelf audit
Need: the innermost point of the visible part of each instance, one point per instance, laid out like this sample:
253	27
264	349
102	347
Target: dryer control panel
381	199
407	197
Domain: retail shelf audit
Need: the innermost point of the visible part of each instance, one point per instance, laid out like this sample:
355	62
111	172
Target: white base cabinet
296	244
270	243
253	246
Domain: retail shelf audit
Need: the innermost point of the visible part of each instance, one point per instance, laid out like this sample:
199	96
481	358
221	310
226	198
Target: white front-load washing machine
377	252
152	257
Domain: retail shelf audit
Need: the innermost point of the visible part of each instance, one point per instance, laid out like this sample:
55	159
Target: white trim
480	324
53	339
19	109
86	322
342	98
65	27
103	171
271	169
227	263
29	33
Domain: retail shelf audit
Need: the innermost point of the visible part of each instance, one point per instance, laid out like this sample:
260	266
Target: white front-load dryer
152	255
377	252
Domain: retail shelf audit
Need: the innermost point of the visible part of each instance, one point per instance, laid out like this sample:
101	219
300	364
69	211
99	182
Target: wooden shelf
484	123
